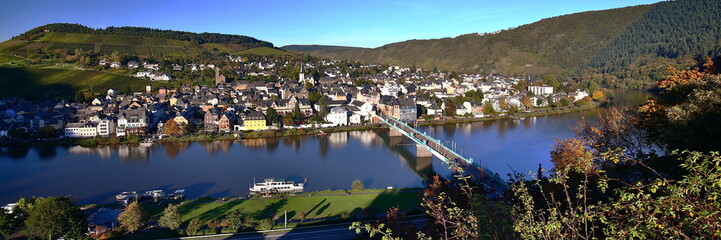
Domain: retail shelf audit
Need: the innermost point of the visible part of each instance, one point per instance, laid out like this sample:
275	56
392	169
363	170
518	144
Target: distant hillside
265	51
310	48
130	40
565	44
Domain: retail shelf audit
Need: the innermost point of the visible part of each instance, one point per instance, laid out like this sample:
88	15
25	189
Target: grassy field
108	44
315	207
51	83
10	61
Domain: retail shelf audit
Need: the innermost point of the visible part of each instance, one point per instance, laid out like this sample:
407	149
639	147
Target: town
330	97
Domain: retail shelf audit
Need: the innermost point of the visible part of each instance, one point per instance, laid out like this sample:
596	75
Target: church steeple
301	75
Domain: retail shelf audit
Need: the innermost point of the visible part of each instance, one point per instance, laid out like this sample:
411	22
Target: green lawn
51	83
314	206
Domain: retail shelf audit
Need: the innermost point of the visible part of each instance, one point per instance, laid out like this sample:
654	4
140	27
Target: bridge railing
395	122
438	142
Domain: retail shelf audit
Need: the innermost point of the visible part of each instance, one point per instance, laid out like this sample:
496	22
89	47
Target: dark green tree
194	227
53	217
234	220
323	105
296	111
271	116
47	132
171	217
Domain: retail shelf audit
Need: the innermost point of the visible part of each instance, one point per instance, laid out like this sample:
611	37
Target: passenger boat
126	196
272	185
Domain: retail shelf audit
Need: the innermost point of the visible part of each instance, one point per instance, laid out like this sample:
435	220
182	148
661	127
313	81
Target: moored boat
272	185
154	194
126	196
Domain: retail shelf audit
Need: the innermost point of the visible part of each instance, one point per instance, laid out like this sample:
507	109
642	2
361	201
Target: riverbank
303	209
534	113
271	133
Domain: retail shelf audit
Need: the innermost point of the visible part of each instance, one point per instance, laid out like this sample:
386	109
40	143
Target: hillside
131	40
565	44
64	83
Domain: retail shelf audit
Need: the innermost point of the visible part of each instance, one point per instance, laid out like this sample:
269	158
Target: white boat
126	196
147	143
272	185
154	194
178	194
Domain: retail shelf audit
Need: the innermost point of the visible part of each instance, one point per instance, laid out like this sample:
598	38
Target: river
227	168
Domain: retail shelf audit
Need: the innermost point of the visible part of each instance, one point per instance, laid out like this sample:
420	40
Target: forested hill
146	32
127	40
608	40
670	30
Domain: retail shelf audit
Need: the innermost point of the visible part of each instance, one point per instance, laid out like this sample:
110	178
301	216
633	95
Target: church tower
219	78
301	75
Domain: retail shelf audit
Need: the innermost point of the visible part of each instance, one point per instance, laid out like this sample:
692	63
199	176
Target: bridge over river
427	146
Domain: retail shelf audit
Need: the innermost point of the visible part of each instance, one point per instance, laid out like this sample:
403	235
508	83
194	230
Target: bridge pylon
395	133
423	152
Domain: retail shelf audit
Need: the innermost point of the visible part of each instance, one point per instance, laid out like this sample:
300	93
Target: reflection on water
224	168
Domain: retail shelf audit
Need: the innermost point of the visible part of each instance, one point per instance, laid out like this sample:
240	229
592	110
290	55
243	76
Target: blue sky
341	22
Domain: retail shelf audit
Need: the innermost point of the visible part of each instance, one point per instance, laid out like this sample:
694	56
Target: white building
390	88
131	118
106	127
355	119
154	76
541	90
81	130
337	116
578	95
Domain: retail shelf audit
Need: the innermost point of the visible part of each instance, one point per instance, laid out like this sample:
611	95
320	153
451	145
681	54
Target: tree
296	111
564	102
54	217
47	132
357	185
323	105
171	218
9	223
314	97
271	115
18	133
266	224
597	95
551	80
80	96
288	121
685	116
194	227
572	153
488	109
134	217
450	109
171	127
234	220
474	95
